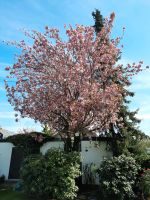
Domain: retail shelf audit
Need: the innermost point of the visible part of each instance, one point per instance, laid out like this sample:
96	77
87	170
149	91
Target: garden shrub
144	183
143	161
139	152
51	176
117	177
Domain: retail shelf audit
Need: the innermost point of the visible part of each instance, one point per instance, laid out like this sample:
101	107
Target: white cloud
7	115
143	116
21	128
3	73
11	125
4	104
5	64
124	61
141	81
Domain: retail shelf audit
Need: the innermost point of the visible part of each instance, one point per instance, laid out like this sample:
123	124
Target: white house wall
5	158
92	154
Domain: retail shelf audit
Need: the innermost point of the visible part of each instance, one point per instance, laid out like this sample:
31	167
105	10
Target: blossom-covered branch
71	84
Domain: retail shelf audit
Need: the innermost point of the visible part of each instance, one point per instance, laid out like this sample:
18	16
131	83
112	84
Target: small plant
89	173
51	176
117	178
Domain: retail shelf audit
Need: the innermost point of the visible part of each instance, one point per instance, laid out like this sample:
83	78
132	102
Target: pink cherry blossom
72	84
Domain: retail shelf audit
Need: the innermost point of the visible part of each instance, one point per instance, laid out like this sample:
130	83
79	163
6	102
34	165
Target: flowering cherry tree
71	84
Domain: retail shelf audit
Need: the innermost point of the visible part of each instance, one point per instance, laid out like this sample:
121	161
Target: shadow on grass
6	193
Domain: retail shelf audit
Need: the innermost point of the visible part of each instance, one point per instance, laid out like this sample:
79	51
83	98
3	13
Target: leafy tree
139	151
70	85
126	134
99	21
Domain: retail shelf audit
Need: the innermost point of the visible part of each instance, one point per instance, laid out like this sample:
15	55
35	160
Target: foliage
130	135
99	21
47	131
142	145
125	134
117	177
139	152
144	183
89	173
25	141
21	140
51	176
70	85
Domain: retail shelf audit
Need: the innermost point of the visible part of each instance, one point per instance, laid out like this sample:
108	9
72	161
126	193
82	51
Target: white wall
53	144
5	158
92	154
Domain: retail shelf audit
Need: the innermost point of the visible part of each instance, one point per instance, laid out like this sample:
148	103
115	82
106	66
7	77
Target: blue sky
36	14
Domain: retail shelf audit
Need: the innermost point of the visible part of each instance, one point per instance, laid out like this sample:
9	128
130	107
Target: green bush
51	176
139	152
143	161
117	178
144	183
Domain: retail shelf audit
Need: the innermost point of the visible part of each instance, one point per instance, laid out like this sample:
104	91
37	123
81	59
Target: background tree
99	21
128	134
46	130
69	84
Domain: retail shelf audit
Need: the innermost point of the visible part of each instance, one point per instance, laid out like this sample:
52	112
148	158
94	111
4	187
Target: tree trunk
116	142
72	144
68	144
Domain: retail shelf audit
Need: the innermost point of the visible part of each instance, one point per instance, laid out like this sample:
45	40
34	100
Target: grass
9	194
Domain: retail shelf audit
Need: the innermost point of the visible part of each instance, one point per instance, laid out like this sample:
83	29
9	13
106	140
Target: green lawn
11	195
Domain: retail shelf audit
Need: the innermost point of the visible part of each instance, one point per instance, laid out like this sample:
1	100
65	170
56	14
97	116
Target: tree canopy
71	85
127	132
